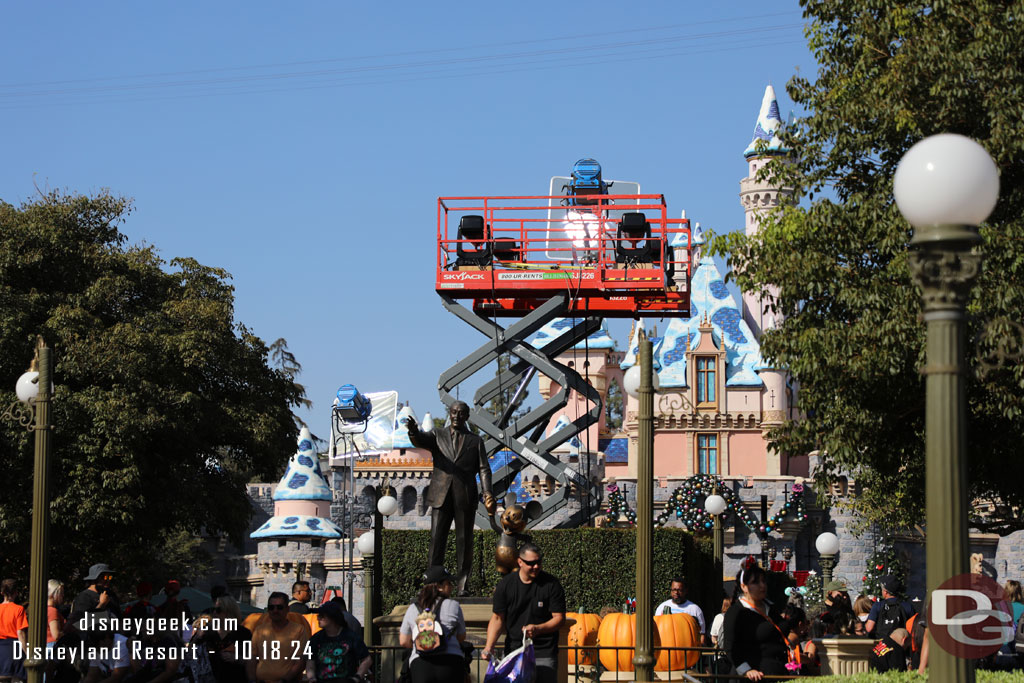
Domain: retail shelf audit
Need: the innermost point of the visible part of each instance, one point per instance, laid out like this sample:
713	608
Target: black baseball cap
437	574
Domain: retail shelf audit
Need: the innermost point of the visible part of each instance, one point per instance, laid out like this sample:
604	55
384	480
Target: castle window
707	453
706	381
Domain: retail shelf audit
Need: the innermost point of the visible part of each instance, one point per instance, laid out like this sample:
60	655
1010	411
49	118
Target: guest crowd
94	637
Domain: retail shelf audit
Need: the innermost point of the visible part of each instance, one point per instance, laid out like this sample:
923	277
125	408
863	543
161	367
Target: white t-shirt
120	656
685	608
450	616
718	628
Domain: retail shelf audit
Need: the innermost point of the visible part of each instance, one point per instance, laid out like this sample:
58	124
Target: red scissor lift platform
509	254
538	259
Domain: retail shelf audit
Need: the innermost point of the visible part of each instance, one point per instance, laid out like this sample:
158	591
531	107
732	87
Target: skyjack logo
462	276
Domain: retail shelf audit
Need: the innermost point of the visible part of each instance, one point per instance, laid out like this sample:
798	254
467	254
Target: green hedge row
913	677
597	567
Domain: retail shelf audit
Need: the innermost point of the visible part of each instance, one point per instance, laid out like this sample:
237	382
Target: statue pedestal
477	612
844	656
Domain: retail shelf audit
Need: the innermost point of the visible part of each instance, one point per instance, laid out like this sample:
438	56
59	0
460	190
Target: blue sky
302	146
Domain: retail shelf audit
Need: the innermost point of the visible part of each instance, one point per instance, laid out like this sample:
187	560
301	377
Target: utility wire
240	87
578	36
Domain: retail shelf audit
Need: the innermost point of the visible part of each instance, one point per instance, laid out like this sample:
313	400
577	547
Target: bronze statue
452	495
506	553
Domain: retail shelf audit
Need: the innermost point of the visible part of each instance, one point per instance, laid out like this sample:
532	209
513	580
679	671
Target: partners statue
458	456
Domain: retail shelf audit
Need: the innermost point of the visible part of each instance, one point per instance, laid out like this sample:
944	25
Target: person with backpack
889	613
434	628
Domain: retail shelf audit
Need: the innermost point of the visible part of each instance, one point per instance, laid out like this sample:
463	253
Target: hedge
597	567
913	677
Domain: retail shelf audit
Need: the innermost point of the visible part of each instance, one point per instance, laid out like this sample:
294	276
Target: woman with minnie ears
754	636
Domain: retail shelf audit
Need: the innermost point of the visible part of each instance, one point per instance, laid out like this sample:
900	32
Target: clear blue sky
302	146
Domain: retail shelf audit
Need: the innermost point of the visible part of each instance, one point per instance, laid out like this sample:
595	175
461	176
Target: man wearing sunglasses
528	603
278	644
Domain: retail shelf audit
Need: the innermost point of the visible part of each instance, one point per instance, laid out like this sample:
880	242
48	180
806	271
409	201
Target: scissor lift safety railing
537	262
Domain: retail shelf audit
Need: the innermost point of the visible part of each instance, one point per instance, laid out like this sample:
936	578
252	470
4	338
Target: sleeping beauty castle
716	401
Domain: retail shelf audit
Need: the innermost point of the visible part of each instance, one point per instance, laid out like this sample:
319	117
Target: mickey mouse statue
513	521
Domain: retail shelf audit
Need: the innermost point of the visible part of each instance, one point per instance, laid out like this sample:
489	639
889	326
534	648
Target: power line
357	58
236	87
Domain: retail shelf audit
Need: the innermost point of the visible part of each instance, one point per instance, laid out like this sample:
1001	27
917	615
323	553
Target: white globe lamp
715	504
631	381
827	543
946	179
387	505
365	543
27	387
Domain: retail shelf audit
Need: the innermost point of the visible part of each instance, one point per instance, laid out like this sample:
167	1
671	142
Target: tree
891	74
164	404
285	361
509	383
613	407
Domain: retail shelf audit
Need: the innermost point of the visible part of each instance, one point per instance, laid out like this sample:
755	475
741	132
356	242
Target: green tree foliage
509	383
891	74
164	404
613	407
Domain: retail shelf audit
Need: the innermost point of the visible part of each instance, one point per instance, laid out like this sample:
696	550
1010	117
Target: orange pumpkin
676	630
617	630
583	632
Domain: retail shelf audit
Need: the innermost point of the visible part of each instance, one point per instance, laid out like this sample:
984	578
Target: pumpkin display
617	630
676	630
583	632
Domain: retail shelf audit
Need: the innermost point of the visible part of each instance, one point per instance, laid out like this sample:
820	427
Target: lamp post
639	382
945	186
367	548
32	411
715	505
384	505
827	544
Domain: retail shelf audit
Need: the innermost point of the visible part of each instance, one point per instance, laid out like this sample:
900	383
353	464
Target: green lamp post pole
643	660
369	608
715	505
945	186
33	413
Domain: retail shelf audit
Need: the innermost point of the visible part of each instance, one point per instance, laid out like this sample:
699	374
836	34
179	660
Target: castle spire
768	122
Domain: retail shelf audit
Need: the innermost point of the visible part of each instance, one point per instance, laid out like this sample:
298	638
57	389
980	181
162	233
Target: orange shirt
273	663
53	614
12	620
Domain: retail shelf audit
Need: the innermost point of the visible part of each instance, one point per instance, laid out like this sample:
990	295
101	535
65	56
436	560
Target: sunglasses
530	563
275	607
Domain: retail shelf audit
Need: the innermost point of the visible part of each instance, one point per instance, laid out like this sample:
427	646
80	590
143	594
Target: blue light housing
352	406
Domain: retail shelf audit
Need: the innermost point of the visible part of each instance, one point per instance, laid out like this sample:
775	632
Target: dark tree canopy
165	406
892	73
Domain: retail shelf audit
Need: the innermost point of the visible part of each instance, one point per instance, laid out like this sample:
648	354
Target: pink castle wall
747	452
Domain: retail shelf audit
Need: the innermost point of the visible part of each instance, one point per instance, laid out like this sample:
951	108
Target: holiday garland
687	504
617	506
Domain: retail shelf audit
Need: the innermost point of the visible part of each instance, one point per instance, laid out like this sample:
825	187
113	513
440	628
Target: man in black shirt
301	595
889	653
96	600
531	603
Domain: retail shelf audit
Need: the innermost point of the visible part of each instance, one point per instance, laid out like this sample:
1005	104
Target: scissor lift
535	259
